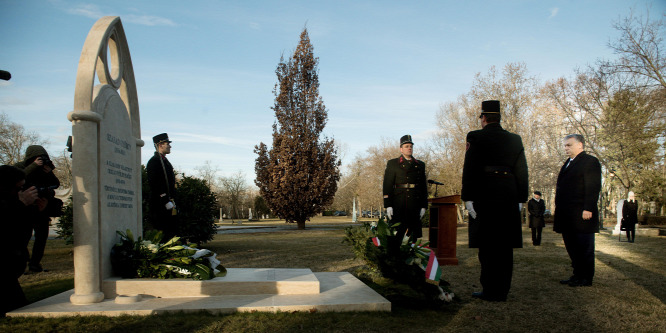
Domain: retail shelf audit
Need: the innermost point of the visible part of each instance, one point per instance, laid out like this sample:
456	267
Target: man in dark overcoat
494	186
162	182
38	169
536	207
576	211
405	192
630	216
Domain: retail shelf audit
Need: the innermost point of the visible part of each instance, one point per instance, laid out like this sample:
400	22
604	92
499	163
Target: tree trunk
301	224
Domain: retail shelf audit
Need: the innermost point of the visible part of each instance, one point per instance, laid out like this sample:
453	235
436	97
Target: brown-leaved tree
298	175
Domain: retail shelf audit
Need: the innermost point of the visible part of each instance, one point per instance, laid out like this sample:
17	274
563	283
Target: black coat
629	215
162	188
495	178
35	176
406	202
536	209
578	187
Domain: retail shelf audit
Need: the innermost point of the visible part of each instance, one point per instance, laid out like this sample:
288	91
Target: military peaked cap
406	139
159	138
490	107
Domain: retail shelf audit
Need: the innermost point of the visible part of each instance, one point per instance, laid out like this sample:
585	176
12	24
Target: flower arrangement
409	262
148	258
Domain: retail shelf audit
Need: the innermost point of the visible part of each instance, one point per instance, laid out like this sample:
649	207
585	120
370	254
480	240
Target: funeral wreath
149	258
412	263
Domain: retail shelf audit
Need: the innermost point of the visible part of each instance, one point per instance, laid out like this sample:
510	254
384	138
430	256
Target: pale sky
205	70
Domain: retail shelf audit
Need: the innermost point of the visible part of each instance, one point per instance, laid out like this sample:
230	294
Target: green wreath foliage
393	259
149	258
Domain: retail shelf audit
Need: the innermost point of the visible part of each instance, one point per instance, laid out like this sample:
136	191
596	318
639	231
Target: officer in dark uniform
405	192
494	186
162	182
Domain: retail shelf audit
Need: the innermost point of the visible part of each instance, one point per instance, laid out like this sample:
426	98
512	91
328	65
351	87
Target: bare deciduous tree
524	111
208	173
14	139
233	194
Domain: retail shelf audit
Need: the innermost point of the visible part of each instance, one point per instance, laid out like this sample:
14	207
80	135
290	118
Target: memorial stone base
242	290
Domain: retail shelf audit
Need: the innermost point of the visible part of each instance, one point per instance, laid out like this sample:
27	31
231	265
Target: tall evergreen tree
298	175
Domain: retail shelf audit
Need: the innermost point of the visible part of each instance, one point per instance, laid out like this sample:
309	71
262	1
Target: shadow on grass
39	290
652	282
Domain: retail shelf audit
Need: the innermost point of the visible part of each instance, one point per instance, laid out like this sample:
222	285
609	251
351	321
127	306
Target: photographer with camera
38	168
15	204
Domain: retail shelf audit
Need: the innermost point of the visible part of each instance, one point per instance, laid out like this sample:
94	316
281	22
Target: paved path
242	229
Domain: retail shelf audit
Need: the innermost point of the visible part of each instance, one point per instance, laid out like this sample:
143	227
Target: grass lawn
628	295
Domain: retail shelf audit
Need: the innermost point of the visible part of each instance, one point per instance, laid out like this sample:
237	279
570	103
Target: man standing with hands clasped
537	209
494	186
576	211
405	192
162	182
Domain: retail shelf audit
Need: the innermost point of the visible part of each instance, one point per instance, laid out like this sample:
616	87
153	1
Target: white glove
520	206
470	208
422	213
389	212
169	205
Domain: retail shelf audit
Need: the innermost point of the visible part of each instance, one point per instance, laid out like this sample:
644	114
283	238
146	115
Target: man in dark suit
576	211
162	182
405	192
494	186
537	208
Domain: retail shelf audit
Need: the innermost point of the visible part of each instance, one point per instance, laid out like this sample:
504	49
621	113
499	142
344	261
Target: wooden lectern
443	228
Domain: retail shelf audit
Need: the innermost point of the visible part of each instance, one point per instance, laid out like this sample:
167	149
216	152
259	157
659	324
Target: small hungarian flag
433	272
375	240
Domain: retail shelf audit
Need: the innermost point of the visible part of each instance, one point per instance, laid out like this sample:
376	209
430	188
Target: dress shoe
35	268
569	280
580	283
485	297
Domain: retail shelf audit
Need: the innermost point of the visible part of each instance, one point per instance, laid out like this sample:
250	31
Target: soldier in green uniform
405	192
162	182
494	186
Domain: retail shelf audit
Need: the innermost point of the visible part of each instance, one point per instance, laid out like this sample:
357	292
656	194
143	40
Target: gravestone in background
106	156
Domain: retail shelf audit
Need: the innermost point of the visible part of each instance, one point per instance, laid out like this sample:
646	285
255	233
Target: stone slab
238	281
339	292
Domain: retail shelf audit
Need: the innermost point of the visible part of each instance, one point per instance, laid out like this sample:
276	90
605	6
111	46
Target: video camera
47	161
46	192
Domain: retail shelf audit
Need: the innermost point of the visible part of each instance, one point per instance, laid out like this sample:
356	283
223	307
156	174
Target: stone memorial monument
620	204
106	156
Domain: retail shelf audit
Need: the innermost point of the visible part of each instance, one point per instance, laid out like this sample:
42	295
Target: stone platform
242	290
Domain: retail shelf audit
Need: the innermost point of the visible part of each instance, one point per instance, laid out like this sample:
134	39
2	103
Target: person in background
38	169
630	216
537	208
15	203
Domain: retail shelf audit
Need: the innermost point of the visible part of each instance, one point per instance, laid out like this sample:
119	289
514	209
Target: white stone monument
618	212
106	156
354	218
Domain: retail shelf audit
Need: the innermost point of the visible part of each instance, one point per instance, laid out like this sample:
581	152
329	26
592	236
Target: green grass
628	295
